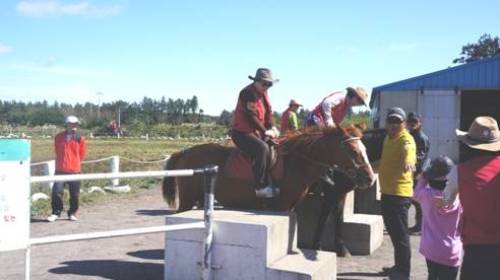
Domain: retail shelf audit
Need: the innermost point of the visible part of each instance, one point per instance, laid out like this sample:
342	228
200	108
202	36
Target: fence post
49	170
115	169
210	174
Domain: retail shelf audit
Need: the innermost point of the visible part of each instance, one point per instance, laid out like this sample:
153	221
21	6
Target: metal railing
209	174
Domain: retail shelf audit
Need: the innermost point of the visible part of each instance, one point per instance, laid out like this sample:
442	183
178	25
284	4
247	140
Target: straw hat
294	102
483	134
360	92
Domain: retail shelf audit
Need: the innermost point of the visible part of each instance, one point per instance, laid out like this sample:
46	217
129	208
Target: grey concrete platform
247	245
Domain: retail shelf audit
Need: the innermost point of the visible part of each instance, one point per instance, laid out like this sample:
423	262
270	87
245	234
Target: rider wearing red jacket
252	122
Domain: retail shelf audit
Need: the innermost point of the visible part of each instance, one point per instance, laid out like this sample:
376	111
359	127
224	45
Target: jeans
481	262
395	215
57	196
439	271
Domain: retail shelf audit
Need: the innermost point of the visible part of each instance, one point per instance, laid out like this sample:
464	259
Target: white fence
49	166
14	173
209	173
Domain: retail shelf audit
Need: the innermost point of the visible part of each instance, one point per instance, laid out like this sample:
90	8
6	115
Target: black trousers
57	196
439	271
259	150
395	215
481	262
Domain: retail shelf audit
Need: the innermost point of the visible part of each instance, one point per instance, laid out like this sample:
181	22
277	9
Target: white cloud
5	48
53	7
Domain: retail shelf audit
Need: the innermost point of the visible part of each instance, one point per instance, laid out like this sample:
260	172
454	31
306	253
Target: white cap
71	119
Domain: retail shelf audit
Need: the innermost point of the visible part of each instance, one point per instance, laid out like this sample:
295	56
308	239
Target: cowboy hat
294	102
360	92
483	134
263	74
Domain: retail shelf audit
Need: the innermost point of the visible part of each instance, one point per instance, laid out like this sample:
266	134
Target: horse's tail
169	187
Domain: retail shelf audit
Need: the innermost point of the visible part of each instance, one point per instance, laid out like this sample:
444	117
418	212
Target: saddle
239	164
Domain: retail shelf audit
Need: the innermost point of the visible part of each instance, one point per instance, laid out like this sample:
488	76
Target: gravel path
141	257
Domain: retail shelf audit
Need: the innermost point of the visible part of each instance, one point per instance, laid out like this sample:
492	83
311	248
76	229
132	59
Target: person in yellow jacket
397	165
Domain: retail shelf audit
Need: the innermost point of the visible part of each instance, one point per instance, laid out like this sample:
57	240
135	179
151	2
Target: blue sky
70	50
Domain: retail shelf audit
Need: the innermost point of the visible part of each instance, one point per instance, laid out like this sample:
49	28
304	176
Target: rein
326	165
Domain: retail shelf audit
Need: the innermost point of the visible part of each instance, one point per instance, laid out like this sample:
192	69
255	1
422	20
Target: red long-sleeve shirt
70	151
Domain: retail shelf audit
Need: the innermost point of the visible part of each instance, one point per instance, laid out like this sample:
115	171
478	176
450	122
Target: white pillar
49	170
115	168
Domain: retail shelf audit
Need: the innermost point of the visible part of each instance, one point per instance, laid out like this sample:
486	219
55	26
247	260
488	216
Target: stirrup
267	192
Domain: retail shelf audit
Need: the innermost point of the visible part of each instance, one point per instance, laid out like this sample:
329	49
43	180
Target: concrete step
305	265
363	233
245	244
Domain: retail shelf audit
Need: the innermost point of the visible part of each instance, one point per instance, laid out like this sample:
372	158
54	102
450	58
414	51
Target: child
440	243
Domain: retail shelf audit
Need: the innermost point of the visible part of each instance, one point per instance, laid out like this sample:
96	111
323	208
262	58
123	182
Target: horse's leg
190	192
338	215
325	209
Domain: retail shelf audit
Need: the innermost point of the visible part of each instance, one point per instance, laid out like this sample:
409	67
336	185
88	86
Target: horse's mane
309	135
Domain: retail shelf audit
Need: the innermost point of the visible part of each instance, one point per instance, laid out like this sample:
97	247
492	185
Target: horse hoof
343	252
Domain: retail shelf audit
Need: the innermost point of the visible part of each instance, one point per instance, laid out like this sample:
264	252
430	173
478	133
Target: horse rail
108	158
121	175
209	173
145	162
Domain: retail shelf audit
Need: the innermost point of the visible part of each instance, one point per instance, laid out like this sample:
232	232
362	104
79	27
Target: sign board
14	194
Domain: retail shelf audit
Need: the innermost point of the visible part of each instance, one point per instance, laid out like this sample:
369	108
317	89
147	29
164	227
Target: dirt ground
141	257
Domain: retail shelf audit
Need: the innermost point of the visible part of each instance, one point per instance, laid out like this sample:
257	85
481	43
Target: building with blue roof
447	99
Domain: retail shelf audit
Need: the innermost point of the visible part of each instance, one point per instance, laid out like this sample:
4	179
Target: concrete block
305	265
245	244
363	233
349	204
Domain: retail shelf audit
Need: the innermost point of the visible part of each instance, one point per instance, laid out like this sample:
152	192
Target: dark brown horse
333	197
306	157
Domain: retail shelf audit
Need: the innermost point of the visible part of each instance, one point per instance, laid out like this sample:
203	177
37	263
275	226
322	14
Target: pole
115	169
119	133
27	264
210	174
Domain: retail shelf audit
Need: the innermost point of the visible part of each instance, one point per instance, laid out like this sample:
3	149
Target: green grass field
134	149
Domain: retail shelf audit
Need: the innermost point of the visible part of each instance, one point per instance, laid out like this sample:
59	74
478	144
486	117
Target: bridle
351	172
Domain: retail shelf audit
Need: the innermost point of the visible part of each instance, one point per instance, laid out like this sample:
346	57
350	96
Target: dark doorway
476	103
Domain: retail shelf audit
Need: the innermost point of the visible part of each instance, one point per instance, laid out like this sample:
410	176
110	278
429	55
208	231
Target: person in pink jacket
440	243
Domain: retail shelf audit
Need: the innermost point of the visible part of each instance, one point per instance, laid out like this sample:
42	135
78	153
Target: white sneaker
52	218
267	192
72	218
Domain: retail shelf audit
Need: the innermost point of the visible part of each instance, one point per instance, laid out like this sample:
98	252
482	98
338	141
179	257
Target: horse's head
348	155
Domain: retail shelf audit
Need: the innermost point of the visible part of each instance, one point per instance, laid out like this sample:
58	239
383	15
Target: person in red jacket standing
252	123
477	181
70	150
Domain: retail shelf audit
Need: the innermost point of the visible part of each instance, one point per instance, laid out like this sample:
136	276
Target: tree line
149	111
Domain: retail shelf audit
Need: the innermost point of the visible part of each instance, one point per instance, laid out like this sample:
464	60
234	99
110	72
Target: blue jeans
57	196
395	215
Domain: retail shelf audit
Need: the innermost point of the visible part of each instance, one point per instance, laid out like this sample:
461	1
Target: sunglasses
266	84
394	121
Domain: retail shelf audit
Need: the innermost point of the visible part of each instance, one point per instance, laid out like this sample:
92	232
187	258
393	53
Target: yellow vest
396	152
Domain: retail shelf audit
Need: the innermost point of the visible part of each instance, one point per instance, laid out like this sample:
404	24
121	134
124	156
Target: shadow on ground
148	254
357	275
111	269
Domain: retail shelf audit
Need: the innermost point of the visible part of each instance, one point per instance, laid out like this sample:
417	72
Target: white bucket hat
483	134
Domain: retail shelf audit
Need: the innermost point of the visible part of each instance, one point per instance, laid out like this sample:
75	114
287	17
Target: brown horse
306	157
333	197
